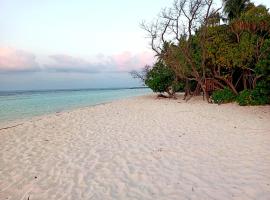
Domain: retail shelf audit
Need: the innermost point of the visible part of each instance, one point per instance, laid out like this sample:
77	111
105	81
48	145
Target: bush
259	98
160	78
260	95
223	96
263	87
244	98
178	87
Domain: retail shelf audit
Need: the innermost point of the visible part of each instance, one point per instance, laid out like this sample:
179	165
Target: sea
16	105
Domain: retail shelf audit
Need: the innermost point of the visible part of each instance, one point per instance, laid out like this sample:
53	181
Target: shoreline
14	122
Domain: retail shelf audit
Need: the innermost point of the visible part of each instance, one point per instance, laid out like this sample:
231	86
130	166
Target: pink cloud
145	58
12	60
122	62
127	61
67	63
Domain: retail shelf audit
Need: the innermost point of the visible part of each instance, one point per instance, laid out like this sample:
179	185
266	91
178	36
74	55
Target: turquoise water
25	104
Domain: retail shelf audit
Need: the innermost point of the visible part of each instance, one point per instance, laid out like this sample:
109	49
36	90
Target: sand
139	148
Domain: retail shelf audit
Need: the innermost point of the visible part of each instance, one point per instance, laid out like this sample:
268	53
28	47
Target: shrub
160	78
260	95
223	96
244	98
259	98
263	87
178	87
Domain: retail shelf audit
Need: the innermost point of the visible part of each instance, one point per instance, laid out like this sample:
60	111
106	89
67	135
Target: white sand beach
139	148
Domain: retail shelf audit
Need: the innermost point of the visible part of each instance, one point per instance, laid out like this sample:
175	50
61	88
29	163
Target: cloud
12	60
67	63
127	61
122	62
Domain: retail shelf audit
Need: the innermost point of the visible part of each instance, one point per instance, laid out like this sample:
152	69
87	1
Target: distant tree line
222	53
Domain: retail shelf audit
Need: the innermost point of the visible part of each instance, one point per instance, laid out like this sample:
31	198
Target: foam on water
25	104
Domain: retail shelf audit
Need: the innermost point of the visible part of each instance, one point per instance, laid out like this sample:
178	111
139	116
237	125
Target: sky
60	44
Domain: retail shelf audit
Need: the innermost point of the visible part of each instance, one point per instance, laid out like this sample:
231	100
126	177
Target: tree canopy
192	43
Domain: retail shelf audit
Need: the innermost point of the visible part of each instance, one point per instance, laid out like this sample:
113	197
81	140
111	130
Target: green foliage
263	87
220	47
178	86
196	52
244	98
234	8
243	53
263	65
258	16
223	96
160	78
175	60
261	93
258	96
235	54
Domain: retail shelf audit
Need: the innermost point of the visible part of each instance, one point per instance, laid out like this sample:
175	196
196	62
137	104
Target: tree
160	79
252	31
142	75
220	56
188	38
234	8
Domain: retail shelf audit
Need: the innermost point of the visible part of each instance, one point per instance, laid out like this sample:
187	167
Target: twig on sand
8	127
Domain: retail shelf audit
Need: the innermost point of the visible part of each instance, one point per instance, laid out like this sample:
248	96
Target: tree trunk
187	89
228	83
245	80
205	93
255	81
203	87
171	94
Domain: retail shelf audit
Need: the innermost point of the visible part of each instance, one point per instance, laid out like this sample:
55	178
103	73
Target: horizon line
74	89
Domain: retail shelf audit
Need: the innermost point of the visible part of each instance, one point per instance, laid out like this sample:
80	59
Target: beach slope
139	148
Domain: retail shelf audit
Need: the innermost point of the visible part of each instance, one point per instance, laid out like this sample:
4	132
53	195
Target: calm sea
25	104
